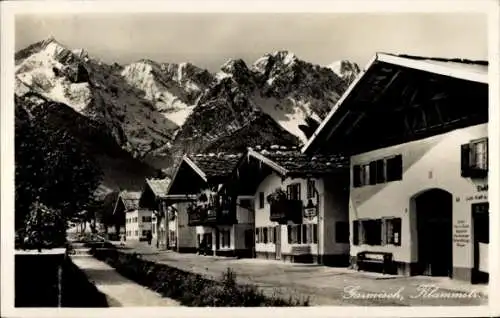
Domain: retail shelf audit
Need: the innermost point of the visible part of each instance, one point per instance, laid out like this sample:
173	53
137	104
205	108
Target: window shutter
299	195
373	172
315	233
355	232
289	233
385	231
356	176
398	167
396	231
465	162
380	167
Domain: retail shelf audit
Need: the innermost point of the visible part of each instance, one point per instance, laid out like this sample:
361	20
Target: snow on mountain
93	89
295	94
345	69
155	111
172	88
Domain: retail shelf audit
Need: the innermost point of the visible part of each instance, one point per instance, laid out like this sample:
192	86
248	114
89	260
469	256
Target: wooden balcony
286	210
212	216
197	216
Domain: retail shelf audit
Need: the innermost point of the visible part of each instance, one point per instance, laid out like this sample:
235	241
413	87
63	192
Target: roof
209	167
290	161
213	165
468	70
130	199
159	186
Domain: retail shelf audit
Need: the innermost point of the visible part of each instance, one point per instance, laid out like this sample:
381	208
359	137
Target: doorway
481	226
277	243
434	233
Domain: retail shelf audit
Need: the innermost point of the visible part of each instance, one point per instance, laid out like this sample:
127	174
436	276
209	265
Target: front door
277	231
434	226
481	223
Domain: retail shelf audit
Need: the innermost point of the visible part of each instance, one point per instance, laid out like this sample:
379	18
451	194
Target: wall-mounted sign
310	212
461	233
482	187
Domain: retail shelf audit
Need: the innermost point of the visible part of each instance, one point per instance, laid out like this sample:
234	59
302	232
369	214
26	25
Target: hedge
188	288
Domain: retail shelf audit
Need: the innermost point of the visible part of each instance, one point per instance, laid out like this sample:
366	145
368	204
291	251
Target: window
198	238
144	233
377	232
311	189
257	237
293	191
392	231
136	233
302	233
474	161
261	200
342	232
272	234
265	234
225	238
146	219
378	171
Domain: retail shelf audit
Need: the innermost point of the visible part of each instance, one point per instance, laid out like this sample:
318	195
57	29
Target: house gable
399	99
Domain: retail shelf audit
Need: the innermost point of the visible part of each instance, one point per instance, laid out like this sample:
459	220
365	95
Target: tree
52	168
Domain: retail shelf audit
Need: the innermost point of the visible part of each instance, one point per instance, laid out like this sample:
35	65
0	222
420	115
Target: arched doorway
434	232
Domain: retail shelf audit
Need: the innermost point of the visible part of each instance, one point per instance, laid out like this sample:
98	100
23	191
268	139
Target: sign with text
461	233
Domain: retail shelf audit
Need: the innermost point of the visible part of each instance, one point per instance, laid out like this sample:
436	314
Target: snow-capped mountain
295	94
93	89
172	88
346	70
155	111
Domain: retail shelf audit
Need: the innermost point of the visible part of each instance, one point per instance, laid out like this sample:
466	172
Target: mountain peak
286	56
232	65
345	69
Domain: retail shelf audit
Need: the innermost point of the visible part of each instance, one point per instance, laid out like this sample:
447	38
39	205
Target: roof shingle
297	163
215	165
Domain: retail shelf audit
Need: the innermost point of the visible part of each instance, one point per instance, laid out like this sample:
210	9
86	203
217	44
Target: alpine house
300	202
208	223
416	130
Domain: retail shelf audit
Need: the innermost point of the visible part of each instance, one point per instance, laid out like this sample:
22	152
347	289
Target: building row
395	179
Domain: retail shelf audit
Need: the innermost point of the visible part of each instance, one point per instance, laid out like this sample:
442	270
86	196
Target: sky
209	39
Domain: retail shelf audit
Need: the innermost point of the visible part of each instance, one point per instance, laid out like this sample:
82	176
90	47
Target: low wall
50	279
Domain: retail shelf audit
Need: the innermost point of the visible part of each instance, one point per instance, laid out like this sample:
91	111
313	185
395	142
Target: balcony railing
212	216
286	210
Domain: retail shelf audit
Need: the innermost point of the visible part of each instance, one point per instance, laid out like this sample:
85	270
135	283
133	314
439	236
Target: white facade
320	244
186	235
137	224
431	163
236	239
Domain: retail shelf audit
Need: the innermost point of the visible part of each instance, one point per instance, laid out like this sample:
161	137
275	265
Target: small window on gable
293	191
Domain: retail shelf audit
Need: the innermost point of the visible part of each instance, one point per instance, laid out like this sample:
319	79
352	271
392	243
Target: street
327	285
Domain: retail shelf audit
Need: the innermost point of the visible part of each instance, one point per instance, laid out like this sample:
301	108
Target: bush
44	228
188	288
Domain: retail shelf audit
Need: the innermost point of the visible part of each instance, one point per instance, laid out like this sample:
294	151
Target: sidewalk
120	291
